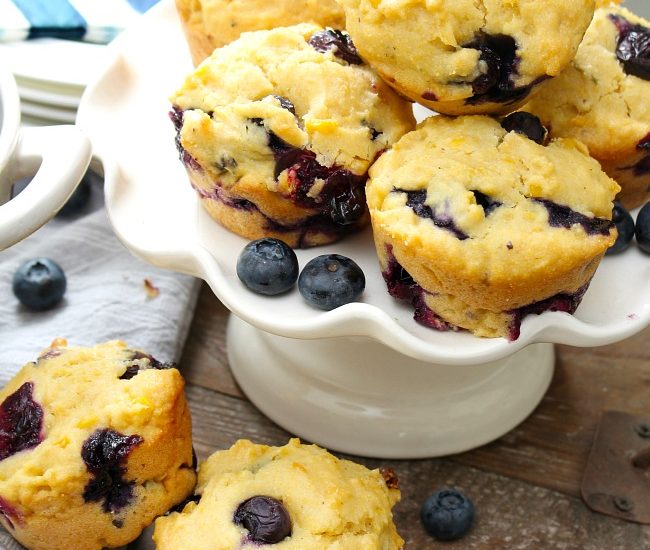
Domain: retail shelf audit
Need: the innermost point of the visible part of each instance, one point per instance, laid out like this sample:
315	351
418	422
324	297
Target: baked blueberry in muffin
277	131
94	444
602	100
210	24
467	57
479	222
298	497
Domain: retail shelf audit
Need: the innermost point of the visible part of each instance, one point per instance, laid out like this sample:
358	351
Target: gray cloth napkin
105	298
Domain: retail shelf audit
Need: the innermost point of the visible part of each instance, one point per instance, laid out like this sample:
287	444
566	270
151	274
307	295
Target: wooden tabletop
525	486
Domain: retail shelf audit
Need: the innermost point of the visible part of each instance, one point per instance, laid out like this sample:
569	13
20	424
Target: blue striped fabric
89	20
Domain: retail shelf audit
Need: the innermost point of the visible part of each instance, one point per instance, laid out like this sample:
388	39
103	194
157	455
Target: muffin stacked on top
602	99
460	56
478	221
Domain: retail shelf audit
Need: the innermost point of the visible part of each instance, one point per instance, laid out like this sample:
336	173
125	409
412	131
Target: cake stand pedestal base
357	396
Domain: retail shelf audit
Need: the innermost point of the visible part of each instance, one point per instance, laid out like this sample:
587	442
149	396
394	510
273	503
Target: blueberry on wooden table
330	281
39	284
268	266
642	229
625	226
447	514
265	518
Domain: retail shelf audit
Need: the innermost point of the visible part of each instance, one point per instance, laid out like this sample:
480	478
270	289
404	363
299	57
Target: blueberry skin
265	518
447	514
625	226
268	266
642	229
39	284
330	281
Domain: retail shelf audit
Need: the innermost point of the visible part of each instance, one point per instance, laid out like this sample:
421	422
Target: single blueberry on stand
268	266
330	281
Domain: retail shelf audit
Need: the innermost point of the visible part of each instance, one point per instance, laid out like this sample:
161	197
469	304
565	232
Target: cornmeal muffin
277	131
462	56
94	444
478	223
296	497
210	24
602	99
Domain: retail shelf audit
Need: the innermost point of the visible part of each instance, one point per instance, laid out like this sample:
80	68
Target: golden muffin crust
596	101
102	447
210	24
332	504
272	128
464	207
463	56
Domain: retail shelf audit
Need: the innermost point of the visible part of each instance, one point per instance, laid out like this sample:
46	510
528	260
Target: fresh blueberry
526	124
268	266
78	200
265	518
642	229
39	284
330	281
21	422
340	42
625	225
447	514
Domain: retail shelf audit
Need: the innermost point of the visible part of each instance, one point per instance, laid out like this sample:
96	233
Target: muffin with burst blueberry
602	100
464	57
210	24
478	223
277	131
94	444
296	497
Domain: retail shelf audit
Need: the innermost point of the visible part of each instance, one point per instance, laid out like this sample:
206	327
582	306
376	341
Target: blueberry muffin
94	444
210	24
465	57
602	100
296	497
478	223
277	131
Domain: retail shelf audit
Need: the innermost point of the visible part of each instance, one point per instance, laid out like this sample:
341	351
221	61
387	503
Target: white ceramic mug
56	156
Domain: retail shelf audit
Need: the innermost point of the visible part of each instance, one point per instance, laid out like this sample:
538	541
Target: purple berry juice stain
21	422
104	454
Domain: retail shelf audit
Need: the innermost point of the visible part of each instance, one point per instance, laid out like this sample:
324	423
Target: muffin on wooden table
95	443
295	497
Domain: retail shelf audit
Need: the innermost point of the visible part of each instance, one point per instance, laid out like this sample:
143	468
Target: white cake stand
364	378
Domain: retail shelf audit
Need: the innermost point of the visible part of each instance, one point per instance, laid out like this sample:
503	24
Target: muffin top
491	205
310	500
58	413
222	21
461	56
602	97
248	107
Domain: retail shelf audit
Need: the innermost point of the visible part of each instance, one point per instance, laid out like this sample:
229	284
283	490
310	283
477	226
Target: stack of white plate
51	75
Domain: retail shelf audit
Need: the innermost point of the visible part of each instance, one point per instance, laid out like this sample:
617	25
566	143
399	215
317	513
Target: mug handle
59	156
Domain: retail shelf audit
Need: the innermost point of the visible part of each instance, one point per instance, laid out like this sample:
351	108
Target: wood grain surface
525	486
